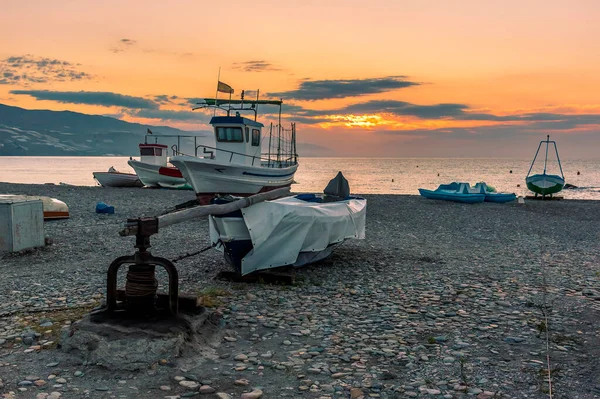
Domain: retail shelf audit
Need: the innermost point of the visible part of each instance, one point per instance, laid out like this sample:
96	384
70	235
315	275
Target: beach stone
356	393
61	380
255	394
206	389
223	395
514	340
189	384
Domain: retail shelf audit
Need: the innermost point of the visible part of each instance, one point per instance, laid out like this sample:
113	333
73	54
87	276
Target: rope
140	283
188	255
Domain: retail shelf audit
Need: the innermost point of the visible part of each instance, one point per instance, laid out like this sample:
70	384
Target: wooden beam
205	210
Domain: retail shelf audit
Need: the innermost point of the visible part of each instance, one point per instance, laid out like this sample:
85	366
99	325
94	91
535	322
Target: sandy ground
441	300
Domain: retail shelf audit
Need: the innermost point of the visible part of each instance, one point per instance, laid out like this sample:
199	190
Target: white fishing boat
544	183
236	165
290	231
153	169
114	178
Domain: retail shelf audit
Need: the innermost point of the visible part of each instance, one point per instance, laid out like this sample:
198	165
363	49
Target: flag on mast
224	88
149	131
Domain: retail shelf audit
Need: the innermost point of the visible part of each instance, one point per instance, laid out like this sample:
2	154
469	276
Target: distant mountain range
42	132
63	133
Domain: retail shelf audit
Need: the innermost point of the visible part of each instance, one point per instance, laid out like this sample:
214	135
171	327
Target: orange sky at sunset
378	78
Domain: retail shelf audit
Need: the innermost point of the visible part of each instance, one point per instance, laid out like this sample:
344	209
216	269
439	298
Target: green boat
545	184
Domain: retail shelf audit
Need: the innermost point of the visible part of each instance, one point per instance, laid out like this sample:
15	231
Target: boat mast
270	135
547	145
279	138
256	110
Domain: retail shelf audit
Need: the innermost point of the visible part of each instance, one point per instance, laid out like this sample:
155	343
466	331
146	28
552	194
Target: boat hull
500	198
209	177
117	179
452	196
53	208
545	184
299	232
158	176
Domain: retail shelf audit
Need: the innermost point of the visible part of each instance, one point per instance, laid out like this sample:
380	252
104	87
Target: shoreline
10	186
434	282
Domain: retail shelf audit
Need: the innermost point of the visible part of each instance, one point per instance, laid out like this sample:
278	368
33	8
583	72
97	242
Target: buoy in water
438	174
392	180
518	185
510	171
578	173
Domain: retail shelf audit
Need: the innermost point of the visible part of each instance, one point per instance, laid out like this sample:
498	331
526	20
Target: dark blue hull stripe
261	175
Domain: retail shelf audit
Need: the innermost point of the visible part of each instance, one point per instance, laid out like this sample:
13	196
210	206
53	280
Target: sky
389	78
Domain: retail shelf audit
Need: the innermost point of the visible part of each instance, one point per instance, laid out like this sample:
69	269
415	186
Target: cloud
127	45
310	90
27	69
106	99
171	115
123	44
402	108
165	99
255	66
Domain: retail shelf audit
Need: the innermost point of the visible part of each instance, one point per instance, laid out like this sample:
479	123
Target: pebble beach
441	300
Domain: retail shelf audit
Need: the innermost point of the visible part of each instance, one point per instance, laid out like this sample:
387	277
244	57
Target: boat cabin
155	154
238	139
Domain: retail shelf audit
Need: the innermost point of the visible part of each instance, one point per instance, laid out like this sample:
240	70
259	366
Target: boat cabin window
247	134
255	137
151	151
230	134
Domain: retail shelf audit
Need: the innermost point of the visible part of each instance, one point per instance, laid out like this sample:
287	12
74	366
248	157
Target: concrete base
119	343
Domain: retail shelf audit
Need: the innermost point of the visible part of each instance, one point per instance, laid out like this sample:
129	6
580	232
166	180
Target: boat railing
282	163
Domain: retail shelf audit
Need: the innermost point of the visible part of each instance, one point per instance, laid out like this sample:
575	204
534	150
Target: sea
365	175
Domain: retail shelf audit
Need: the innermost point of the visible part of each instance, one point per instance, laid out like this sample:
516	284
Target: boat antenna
217	93
547	145
256	109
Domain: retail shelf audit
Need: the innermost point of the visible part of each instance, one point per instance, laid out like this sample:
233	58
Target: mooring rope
140	283
188	255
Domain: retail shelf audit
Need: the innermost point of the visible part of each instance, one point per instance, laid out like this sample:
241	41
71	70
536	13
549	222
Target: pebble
189	384
206	389
78	373
255	394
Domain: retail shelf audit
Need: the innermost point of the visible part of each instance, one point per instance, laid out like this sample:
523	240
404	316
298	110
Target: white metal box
21	224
